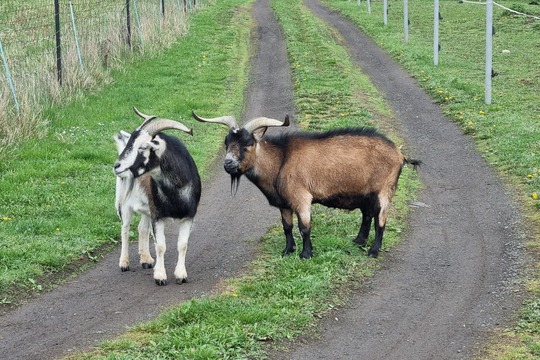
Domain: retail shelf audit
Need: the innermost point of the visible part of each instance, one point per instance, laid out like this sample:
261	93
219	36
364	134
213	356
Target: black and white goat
157	178
353	168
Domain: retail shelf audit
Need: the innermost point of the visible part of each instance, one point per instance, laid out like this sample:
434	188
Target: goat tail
414	162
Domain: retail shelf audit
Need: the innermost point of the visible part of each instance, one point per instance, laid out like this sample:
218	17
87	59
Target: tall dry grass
28	38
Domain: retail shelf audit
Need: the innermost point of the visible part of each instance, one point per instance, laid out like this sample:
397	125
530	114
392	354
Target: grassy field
506	132
281	297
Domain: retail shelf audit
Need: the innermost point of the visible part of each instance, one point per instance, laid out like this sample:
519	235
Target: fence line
490	30
50	47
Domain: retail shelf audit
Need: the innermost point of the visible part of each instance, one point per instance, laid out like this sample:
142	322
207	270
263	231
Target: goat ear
125	134
157	145
259	133
154	145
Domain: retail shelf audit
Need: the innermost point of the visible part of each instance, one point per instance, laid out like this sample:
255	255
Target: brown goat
352	168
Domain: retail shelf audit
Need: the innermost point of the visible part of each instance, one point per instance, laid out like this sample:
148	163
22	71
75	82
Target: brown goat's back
340	164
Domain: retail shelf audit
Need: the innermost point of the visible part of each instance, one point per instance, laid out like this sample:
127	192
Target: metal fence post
139	29
436	33
385	11
58	44
406	20
128	23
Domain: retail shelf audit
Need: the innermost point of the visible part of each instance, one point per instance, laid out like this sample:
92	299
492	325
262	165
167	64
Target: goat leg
287	221
180	272
125	217
160	275
377	244
363	234
304	225
145	258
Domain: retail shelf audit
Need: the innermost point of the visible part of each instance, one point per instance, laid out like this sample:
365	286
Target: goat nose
116	167
230	166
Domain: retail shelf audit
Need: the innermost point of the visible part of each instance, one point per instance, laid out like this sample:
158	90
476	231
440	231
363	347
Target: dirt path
450	282
439	294
103	302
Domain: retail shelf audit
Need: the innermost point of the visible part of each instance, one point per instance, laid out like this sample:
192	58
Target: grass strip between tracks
282	297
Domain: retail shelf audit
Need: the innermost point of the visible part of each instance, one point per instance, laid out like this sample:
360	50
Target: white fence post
406	20
436	33
139	29
10	80
489	49
76	36
385	10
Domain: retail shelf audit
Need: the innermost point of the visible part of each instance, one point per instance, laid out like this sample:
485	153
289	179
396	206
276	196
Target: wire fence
49	48
489	25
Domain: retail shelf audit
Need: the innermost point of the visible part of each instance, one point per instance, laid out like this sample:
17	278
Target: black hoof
146	265
161	282
306	255
360	242
287	252
373	253
124	268
181	281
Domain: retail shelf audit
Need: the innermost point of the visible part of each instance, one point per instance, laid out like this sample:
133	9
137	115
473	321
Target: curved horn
165	124
225	120
147	118
260	122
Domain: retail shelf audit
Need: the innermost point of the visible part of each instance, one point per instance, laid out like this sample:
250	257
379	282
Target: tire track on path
104	302
449	282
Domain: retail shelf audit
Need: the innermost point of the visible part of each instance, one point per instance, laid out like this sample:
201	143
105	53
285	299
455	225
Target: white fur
131	197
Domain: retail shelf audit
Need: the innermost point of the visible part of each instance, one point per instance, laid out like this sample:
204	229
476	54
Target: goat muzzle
231	166
118	171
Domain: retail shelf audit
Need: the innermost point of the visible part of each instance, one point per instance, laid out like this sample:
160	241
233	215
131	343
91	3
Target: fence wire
28	35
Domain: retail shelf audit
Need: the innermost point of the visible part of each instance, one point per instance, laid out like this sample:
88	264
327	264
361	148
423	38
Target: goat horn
147	118
165	124
225	120
260	122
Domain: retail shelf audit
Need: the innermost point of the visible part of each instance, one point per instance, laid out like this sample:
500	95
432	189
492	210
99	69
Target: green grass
28	40
57	198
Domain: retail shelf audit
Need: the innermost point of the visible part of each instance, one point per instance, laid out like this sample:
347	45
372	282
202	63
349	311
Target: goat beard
235	183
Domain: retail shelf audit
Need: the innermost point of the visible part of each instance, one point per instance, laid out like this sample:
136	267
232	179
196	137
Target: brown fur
343	170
